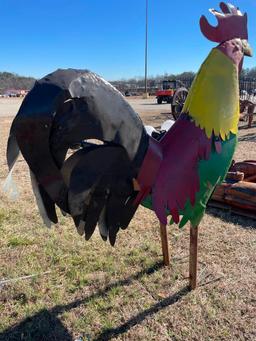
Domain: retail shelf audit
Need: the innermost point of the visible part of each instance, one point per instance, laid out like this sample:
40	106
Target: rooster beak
247	48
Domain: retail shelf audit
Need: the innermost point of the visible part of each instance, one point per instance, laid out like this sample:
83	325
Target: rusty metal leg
193	257
250	119
164	240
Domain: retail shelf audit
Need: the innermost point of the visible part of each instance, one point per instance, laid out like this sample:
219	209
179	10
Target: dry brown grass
123	293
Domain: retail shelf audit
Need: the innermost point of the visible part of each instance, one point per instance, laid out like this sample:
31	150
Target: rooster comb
231	24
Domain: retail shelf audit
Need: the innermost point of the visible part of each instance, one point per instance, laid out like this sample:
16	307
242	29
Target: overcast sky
108	37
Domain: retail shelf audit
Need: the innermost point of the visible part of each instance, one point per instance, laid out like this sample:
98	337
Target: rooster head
232	25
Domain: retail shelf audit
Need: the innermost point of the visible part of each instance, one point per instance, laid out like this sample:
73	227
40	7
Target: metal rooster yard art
105	183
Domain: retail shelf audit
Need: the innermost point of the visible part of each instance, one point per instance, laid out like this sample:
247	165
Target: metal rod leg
193	257
164	240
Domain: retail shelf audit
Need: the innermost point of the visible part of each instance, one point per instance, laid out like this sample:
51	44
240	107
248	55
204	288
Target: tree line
10	80
152	81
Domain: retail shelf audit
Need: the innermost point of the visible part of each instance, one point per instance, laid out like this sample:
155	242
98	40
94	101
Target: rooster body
213	106
208	126
104	184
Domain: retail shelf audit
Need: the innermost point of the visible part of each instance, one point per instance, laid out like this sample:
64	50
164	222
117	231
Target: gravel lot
10	106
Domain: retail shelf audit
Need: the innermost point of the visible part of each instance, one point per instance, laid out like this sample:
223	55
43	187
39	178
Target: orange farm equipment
172	92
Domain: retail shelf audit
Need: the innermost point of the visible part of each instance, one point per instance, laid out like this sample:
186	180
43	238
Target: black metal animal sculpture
95	184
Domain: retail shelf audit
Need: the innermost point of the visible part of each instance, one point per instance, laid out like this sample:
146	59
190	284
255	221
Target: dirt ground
9	106
93	291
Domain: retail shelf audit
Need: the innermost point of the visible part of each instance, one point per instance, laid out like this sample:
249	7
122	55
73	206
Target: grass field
92	290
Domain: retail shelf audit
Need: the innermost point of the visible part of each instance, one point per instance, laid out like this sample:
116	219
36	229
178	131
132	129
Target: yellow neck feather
213	100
